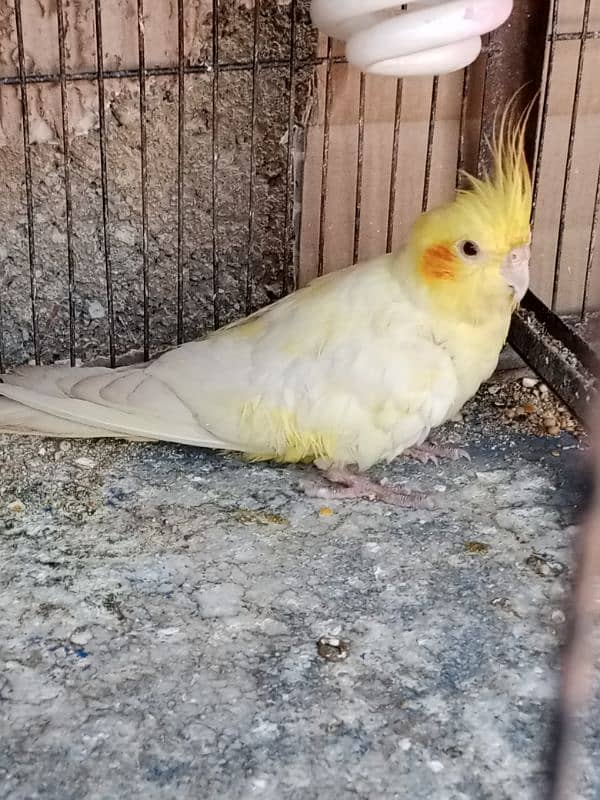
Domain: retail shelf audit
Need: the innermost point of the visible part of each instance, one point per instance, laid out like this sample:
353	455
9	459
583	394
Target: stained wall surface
245	265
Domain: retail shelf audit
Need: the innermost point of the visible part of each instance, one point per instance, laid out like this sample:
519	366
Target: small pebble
80	637
553	430
331	648
64	446
530	383
86	463
494	389
16	507
558	616
503	602
325	512
436	766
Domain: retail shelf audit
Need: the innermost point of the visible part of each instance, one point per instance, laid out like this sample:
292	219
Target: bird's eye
468	249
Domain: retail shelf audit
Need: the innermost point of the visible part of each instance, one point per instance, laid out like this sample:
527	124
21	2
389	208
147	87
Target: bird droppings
159	633
476	548
331	648
505	604
111	603
85	463
545	565
248	517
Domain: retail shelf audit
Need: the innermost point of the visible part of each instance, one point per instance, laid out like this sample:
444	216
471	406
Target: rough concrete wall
266	263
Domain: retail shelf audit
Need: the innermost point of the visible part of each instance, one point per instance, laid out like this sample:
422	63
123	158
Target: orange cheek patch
439	263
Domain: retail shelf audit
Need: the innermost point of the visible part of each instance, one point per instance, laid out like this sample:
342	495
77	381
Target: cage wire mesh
168	169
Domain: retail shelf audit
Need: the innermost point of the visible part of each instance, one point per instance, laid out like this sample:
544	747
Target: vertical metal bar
430	135
144	175
28	181
394	168
487	118
359	164
67	174
545	108
569	165
289	163
250	262
104	179
592	247
460	164
516	53
325	166
215	162
180	162
2	351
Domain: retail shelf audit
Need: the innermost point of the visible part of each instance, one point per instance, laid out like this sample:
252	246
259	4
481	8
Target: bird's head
471	256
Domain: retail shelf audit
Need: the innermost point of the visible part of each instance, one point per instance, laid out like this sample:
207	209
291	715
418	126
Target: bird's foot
426	453
348	485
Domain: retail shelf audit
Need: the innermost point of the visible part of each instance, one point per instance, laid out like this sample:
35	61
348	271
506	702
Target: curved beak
515	270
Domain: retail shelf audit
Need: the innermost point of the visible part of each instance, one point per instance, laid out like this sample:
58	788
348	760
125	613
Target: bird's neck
470	323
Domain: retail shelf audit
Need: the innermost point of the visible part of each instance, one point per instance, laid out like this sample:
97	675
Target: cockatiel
354	369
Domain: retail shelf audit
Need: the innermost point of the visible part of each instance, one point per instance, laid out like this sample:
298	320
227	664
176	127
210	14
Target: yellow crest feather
503	200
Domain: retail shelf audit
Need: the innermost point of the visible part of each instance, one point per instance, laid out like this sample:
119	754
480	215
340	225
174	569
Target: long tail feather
82	403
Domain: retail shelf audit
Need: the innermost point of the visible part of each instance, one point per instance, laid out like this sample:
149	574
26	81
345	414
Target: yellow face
476	249
455	252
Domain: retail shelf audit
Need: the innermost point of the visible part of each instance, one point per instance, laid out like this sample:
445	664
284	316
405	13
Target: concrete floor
161	609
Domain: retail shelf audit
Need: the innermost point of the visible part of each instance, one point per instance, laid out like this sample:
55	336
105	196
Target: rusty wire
144	175
325	164
286	282
394	167
215	164
28	180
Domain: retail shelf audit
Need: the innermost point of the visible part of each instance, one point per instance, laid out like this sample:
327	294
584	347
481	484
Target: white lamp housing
431	37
